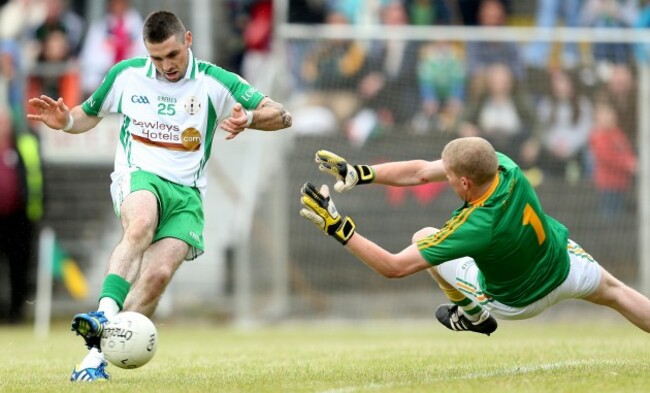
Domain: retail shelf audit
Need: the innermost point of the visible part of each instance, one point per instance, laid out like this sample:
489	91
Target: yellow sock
471	308
452	293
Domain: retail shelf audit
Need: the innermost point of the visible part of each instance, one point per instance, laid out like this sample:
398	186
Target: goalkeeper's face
458	183
171	57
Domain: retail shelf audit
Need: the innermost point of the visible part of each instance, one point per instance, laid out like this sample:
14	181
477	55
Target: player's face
457	183
171	57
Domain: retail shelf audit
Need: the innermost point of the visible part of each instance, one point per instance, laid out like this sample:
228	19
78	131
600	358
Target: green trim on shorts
180	210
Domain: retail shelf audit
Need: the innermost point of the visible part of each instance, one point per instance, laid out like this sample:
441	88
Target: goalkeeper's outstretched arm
389	265
409	173
319	208
399	173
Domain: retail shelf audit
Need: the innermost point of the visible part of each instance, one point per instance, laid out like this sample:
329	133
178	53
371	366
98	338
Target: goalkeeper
499	255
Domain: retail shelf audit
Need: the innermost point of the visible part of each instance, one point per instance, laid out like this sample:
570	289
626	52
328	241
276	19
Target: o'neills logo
114	332
191	139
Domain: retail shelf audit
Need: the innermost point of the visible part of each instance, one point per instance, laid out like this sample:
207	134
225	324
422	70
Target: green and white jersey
520	251
168	128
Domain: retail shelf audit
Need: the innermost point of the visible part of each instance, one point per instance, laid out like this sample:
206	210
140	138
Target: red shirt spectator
615	161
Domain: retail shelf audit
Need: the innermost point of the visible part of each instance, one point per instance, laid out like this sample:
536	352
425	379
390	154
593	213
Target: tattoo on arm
284	115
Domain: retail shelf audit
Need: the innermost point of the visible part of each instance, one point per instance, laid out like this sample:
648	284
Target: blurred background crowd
562	110
552	106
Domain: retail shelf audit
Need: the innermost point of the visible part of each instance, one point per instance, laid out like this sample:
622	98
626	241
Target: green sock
116	288
471	309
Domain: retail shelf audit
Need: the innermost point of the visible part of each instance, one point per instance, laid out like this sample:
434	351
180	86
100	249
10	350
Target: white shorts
583	280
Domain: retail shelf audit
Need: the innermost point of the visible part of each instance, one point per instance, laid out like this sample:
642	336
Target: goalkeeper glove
319	208
347	175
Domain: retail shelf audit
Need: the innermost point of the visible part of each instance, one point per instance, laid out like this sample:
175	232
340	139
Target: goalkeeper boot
454	319
90	374
90	326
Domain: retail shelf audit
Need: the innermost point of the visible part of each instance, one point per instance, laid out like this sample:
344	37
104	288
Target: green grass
593	356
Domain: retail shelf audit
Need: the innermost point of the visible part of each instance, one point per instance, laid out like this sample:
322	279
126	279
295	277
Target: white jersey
167	128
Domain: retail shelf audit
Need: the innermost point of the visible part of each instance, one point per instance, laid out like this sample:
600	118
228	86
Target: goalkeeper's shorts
583	280
180	207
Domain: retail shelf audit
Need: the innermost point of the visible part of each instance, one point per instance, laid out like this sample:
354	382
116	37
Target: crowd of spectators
538	101
62	54
532	99
568	111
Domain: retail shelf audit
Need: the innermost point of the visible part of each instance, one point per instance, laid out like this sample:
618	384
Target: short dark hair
160	25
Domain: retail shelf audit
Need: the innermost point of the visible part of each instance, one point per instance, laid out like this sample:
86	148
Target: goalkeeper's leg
465	313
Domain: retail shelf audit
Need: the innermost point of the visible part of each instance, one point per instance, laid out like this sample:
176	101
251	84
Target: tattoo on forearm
284	115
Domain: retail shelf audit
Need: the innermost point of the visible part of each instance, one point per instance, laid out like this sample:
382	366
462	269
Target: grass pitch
591	356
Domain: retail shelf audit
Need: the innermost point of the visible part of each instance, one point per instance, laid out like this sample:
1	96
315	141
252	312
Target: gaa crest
192	105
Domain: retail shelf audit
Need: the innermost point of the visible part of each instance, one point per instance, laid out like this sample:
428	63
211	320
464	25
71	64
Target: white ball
129	340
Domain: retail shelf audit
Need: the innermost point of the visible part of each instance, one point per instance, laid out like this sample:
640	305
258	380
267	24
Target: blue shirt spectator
10	73
642	50
610	14
548	14
483	54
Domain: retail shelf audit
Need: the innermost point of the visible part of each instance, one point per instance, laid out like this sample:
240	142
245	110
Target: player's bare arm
269	116
409	173
56	114
399	173
319	208
402	264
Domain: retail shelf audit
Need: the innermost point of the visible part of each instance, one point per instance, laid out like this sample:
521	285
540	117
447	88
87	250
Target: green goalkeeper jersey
520	251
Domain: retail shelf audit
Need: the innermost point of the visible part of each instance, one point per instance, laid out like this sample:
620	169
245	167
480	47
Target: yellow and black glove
347	175
319	208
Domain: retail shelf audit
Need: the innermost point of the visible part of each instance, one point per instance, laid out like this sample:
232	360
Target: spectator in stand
389	86
614	159
302	12
11	78
503	115
257	45
21	208
59	18
428	12
58	42
331	72
237	20
306	11
110	39
20	16
642	50
469	10
610	13
547	15
566	119
441	74
621	92
359	12
16	18
482	54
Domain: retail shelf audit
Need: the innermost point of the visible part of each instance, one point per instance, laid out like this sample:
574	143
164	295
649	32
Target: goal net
572	118
373	94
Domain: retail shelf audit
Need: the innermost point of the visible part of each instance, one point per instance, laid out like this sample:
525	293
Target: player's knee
158	279
140	230
422	233
609	290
